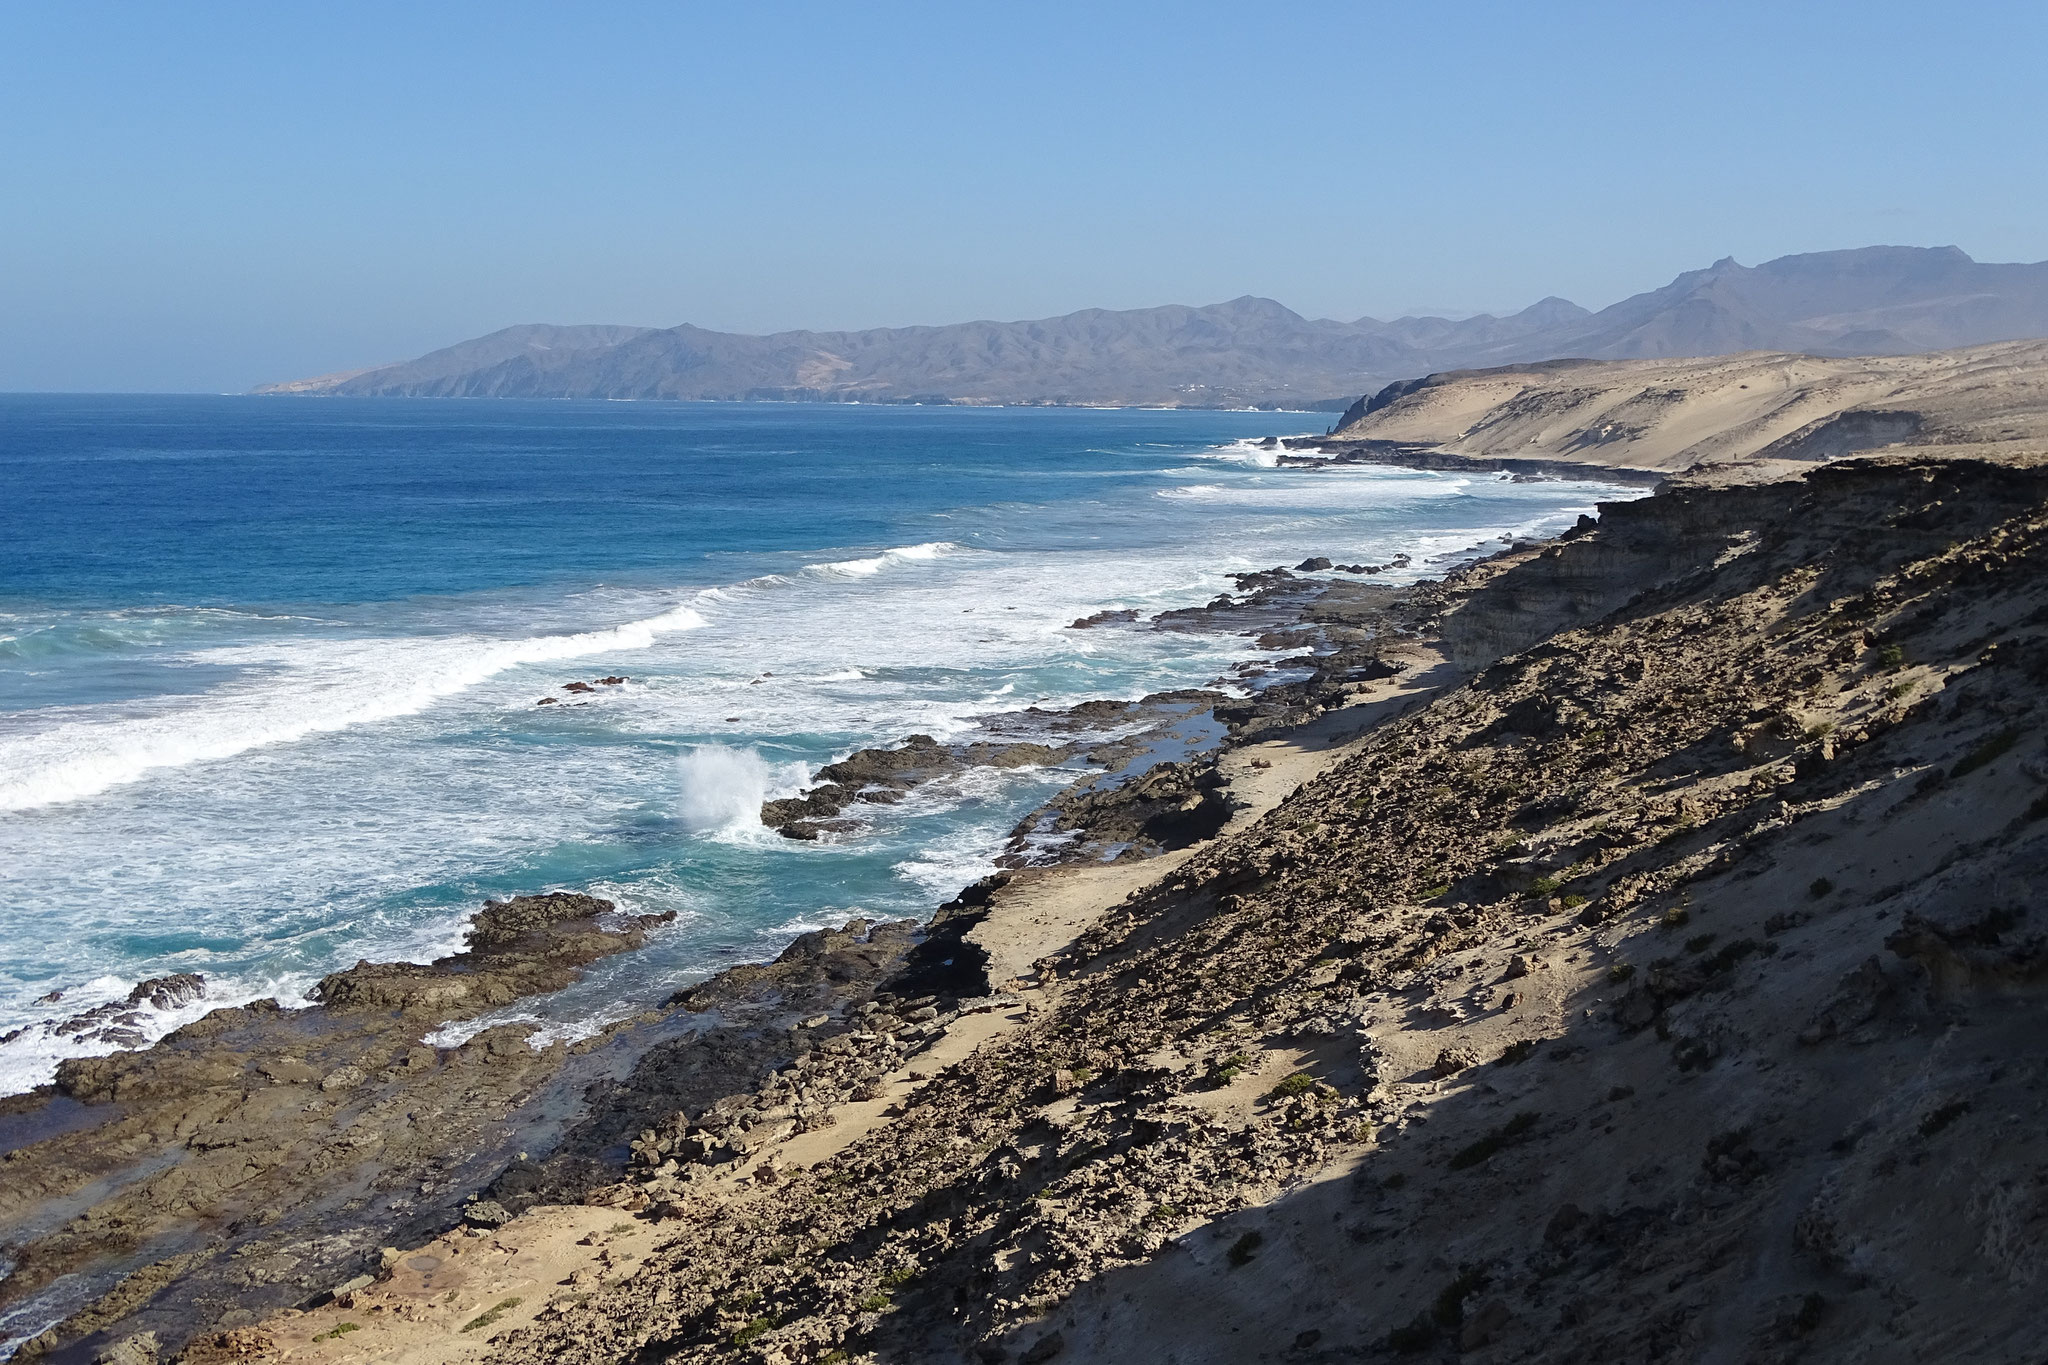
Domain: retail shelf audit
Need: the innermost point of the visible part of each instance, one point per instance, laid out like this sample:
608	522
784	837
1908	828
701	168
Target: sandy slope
1674	414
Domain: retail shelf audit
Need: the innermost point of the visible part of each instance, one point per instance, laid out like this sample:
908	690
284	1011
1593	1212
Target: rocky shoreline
262	1158
1663	984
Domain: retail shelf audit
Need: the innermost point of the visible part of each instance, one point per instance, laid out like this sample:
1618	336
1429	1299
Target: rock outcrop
258	1155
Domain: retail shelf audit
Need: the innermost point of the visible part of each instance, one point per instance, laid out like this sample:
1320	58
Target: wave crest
901	554
318	688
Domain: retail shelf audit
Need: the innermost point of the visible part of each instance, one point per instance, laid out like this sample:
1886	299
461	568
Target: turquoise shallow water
268	668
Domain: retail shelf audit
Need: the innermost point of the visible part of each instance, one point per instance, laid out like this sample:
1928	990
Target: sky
204	197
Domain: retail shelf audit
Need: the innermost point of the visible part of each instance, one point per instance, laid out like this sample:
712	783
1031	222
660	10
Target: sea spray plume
723	787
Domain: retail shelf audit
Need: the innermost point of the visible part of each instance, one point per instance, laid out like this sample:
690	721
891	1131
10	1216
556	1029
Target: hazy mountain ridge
1870	301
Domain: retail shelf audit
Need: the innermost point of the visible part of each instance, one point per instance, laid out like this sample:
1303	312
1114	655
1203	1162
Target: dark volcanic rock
524	946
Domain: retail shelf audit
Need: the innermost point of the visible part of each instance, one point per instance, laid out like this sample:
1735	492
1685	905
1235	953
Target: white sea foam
891	558
1332	492
304	688
31	1058
1245	452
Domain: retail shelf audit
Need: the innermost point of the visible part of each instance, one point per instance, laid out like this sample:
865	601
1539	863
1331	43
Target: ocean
270	668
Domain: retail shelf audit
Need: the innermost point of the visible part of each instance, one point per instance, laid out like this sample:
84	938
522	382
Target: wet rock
522	946
169	992
1105	618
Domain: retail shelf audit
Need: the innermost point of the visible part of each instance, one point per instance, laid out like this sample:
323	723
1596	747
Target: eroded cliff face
1854	514
1671	415
1672	990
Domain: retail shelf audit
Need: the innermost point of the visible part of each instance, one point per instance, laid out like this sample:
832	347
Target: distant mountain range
1250	351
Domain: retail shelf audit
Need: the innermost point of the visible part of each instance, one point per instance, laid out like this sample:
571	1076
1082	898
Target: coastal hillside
1758	409
1660	983
1248	352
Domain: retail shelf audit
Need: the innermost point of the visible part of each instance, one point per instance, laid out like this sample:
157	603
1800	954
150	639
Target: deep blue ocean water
269	667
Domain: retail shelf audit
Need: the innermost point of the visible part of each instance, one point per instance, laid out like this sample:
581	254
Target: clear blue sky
207	196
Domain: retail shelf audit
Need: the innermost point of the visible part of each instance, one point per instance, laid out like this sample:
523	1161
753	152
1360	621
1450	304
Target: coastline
1338	450
135	1236
1419	1065
1021	927
1532	963
1686	822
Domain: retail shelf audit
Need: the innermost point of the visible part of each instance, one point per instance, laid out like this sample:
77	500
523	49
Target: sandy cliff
1767	408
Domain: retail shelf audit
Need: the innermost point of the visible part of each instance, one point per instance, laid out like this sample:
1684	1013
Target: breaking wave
302	689
868	568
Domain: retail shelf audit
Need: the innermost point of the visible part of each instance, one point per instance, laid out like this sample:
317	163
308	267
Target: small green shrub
1699	943
1244	1248
757	1328
1900	689
1300	1083
1574	901
900	1276
1544	886
340	1329
1620	972
1821	886
1891	658
491	1315
1518	1052
1394	1181
873	1303
1430	893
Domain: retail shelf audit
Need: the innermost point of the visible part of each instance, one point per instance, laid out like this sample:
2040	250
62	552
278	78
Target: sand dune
1671	415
